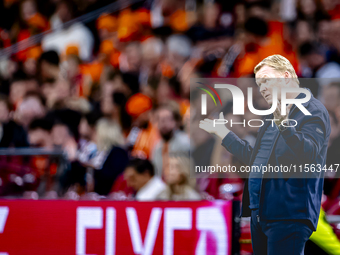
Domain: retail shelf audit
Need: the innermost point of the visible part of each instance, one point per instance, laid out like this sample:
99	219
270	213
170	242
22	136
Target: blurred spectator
30	14
140	175
304	32
319	68
119	113
87	147
44	168
7	69
75	35
39	133
152	54
11	134
48	66
130	59
20	84
126	84
330	97
172	139
179	185
178	51
31	107
144	135
63	137
110	159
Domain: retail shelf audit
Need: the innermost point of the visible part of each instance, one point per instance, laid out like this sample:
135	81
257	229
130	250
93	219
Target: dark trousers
276	237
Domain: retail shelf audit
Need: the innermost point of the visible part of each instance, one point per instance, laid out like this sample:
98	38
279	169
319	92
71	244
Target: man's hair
279	63
37	95
92	118
142	166
307	49
41	123
5	100
19	76
50	57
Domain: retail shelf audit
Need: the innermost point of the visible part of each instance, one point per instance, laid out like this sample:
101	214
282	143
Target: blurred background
94	94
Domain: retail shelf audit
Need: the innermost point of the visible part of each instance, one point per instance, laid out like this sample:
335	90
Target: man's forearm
238	147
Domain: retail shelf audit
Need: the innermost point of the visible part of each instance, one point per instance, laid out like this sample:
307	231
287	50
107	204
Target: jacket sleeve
308	141
238	147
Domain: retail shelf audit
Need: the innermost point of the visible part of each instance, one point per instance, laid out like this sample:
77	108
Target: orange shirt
146	141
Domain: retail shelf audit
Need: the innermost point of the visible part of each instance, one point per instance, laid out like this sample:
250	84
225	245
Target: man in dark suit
284	207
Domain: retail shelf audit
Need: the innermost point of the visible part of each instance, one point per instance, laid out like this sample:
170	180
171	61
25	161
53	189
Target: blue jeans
279	237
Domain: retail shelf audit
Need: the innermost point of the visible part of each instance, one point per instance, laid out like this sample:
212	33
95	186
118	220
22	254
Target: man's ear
287	77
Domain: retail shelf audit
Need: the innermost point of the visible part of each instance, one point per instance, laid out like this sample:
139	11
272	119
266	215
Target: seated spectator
48	66
63	137
152	52
44	172
31	107
76	34
179	50
140	175
11	134
39	133
119	113
178	181
20	84
172	139
87	147
74	177
111	159
144	135
316	61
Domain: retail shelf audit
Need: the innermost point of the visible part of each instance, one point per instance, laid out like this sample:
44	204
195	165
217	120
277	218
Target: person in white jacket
140	175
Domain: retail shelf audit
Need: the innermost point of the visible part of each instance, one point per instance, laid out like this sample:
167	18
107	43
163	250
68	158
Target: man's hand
219	129
277	113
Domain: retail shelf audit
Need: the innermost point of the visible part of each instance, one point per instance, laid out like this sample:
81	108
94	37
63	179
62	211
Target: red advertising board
114	228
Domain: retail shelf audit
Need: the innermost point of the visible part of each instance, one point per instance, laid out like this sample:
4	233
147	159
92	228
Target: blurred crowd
113	92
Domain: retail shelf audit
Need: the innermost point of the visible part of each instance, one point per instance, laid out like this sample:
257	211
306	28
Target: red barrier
115	228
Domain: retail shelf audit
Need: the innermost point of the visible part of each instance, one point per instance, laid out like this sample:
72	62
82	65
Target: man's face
134	179
29	109
17	91
268	78
39	138
166	122
59	134
84	129
4	112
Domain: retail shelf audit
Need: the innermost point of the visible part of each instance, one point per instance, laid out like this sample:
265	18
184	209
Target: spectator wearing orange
144	136
172	140
258	45
171	13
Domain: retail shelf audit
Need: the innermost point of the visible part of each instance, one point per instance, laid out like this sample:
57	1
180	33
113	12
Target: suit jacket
296	194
